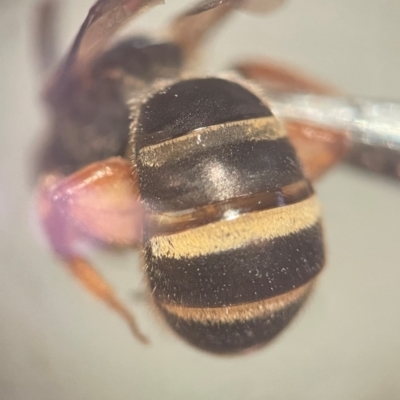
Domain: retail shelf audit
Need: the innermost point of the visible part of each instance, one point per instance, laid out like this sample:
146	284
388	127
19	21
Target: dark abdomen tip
236	329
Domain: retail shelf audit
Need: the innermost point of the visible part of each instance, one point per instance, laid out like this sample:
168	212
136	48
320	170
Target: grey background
57	342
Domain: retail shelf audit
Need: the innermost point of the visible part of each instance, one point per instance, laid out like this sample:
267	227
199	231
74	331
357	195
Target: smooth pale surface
57	342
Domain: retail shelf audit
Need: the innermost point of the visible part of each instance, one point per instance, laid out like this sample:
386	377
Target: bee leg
98	203
319	148
276	77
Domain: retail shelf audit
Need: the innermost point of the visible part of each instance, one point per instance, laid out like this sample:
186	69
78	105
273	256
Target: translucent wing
258	6
191	27
103	20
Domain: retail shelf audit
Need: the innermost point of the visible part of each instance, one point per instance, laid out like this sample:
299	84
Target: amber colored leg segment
96	284
318	147
99	202
279	78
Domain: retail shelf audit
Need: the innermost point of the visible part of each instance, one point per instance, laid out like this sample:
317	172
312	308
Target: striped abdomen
233	241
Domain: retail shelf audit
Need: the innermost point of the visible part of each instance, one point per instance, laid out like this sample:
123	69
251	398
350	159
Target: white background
57	342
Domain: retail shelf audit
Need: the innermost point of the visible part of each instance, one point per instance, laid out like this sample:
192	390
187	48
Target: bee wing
192	26
261	6
258	6
103	20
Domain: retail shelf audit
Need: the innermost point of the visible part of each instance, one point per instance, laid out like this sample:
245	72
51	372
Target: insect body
216	191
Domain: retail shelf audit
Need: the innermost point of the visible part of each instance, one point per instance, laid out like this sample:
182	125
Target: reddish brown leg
99	202
318	147
280	78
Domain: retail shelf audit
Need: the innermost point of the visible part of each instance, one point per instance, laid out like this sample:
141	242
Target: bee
195	169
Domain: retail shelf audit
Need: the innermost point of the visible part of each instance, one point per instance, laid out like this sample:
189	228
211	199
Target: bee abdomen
233	240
